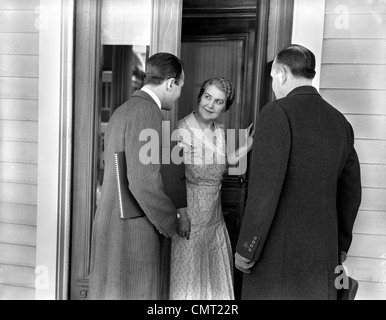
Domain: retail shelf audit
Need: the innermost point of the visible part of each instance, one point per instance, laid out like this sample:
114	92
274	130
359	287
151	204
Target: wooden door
237	40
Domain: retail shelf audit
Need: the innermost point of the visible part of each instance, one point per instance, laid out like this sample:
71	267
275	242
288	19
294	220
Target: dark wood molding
87	72
166	37
236	12
280	26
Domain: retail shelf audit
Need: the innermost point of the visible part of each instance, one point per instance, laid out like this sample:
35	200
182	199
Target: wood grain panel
371	291
18	193
25	131
355	6
17	255
368	246
373	176
16	293
18	234
18	276
358	26
18	172
357	101
357	51
368	127
373	199
13	109
19	4
353	77
365	269
371	222
19	66
371	151
23	152
17	21
218	4
19	88
19	43
208	59
18	213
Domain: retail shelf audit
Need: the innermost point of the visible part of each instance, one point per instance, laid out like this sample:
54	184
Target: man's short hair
299	60
163	66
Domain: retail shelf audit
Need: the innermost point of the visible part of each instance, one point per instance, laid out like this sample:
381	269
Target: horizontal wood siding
353	80
19	78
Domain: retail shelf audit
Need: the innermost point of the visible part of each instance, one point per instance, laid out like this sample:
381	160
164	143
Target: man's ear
170	83
283	75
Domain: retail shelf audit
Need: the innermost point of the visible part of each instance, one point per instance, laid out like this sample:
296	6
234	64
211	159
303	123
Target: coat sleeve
145	178
349	194
267	173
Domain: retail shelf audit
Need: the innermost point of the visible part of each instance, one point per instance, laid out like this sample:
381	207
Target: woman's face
212	103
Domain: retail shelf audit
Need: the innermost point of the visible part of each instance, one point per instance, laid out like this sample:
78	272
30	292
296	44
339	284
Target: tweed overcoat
126	258
303	198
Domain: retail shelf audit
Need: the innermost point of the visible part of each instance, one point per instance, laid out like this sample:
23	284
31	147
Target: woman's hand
250	134
183	224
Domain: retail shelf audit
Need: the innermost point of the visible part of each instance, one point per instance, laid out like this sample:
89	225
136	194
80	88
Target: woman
202	260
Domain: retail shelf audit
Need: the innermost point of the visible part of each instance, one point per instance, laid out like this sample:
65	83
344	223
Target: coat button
250	250
253	241
255	238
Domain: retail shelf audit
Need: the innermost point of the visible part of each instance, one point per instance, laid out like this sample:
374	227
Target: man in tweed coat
126	255
304	192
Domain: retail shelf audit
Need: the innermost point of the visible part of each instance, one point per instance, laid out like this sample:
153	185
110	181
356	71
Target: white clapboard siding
355	6
24	66
373	176
356	101
18	193
368	246
18	234
371	151
12	292
23	131
19	43
13	109
363	51
368	126
19	93
373	199
23	152
353	76
358	26
371	291
13	254
25	21
19	4
371	222
18	213
19	88
364	269
17	275
18	172
353	80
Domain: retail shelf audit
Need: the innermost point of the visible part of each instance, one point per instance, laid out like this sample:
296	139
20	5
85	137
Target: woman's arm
234	157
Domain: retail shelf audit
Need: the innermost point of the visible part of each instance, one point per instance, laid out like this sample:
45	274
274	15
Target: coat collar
144	95
303	90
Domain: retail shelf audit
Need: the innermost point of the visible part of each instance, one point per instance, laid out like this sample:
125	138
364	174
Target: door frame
166	34
166	37
55	24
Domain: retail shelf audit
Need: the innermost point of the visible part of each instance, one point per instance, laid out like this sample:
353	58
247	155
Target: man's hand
243	264
342	256
183	224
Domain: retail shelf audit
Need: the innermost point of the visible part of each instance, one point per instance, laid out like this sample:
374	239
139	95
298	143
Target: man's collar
303	90
153	95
